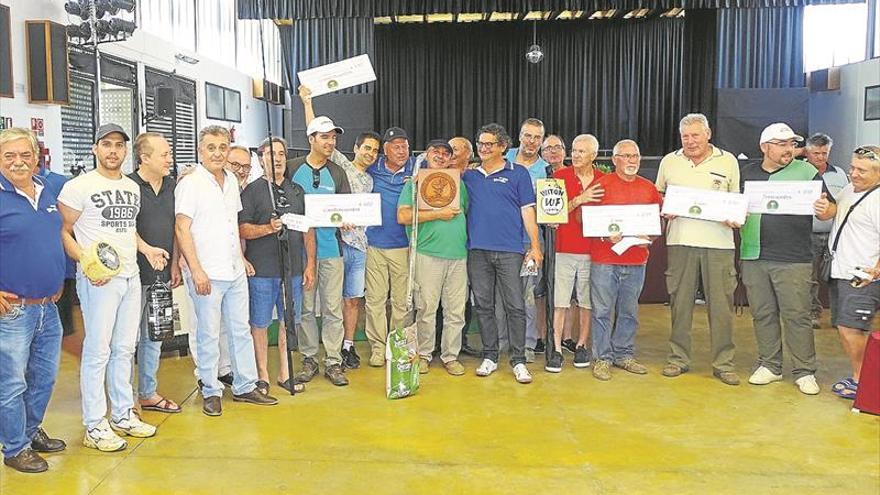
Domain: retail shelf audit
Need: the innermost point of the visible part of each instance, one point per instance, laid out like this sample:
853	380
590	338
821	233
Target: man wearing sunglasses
855	297
317	174
388	251
776	267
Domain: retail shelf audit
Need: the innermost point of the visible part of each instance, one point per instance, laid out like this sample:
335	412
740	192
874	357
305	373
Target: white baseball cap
778	132
322	123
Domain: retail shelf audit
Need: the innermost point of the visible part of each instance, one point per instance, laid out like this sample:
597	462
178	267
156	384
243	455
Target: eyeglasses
866	154
235	166
481	144
554	147
316	178
629	156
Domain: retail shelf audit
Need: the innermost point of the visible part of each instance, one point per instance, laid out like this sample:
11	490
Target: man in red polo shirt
572	269
616	280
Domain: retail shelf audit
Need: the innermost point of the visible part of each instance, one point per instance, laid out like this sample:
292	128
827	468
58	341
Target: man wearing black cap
387	254
101	206
441	262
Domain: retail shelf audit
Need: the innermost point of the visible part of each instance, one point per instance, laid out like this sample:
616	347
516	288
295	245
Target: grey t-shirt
257	209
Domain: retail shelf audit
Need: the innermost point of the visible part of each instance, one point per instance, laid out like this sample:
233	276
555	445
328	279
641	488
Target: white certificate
333	210
604	221
704	204
292	221
338	75
794	197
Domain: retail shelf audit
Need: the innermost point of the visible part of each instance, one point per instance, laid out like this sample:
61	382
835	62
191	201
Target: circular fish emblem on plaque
438	190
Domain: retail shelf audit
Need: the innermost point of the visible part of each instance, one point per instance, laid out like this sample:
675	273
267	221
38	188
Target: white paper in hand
628	242
292	221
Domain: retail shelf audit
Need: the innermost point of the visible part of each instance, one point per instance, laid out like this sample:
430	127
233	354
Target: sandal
162	405
846	388
298	387
263	386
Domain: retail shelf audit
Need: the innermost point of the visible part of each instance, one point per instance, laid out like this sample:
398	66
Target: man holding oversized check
777	257
701	204
625	222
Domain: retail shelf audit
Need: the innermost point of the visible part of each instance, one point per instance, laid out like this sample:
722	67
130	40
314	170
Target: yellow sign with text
552	202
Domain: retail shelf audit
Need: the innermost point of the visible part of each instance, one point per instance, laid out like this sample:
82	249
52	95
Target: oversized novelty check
704	204
333	210
604	221
338	75
794	197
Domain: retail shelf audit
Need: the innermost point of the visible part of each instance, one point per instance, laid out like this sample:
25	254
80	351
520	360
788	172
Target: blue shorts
264	294
355	265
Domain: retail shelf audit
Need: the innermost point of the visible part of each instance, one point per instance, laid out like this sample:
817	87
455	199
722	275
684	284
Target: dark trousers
488	270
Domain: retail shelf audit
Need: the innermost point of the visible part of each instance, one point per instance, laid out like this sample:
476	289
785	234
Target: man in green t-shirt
440	258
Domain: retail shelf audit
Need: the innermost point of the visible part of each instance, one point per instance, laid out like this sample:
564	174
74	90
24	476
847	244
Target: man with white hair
855	297
616	280
572	268
700	250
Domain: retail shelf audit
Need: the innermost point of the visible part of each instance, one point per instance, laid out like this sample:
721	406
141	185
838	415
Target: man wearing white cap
316	174
777	265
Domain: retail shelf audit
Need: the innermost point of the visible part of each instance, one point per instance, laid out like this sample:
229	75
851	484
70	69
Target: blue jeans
111	317
486	271
227	303
354	262
265	295
30	347
615	286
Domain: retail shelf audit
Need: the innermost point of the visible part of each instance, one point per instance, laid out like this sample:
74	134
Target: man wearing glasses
553	152
387	254
239	163
502	207
616	280
260	224
531	135
316	174
855	299
776	266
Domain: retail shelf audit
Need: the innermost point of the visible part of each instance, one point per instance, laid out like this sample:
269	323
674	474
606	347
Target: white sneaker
807	385
763	376
102	438
133	426
487	367
522	373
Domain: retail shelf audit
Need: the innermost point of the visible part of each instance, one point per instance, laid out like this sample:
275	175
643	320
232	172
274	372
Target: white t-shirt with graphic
108	213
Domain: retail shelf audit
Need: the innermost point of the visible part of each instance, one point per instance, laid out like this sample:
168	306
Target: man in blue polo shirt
388	251
502	206
31	279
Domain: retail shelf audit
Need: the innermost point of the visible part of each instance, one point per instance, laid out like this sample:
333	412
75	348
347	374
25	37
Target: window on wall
216	28
834	35
248	54
170	20
222	103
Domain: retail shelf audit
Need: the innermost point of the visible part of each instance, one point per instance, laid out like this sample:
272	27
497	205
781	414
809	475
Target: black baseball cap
394	133
106	129
439	143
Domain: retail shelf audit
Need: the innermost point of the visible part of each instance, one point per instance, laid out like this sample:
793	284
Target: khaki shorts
571	277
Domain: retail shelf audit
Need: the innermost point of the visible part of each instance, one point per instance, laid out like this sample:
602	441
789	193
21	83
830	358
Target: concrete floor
564	434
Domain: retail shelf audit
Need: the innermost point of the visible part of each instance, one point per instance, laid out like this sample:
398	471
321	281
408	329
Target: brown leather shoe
42	443
212	406
256	397
27	461
727	377
336	376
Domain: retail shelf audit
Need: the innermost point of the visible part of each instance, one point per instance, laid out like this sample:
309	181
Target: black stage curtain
614	79
310	9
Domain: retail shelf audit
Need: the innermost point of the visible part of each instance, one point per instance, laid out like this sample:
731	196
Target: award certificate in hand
338	75
333	210
784	197
604	221
704	204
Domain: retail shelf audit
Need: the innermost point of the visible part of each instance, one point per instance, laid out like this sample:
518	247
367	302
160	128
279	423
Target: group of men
217	233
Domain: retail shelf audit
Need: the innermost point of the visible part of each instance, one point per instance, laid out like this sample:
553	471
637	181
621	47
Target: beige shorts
571	280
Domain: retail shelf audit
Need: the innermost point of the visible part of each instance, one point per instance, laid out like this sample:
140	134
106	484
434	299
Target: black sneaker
539	347
335	375
350	359
569	345
226	379
554	364
309	370
581	357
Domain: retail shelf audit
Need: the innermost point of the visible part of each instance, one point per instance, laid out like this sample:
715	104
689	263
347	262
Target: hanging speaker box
48	79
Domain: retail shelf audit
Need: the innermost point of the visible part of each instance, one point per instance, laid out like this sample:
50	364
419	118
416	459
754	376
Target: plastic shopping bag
401	363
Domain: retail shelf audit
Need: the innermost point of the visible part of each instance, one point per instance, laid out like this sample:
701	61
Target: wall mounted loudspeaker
166	102
48	78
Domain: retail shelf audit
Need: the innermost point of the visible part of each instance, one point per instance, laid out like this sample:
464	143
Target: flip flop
846	388
163	405
297	386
